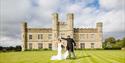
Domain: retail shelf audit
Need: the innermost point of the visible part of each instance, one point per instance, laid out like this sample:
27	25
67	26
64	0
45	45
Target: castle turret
99	26
24	35
70	23
55	21
55	33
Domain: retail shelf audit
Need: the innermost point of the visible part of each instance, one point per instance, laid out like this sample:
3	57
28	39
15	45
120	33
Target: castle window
92	45
40	36
30	36
40	45
82	45
50	46
49	36
30	45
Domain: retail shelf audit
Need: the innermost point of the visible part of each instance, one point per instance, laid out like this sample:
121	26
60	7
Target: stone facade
35	38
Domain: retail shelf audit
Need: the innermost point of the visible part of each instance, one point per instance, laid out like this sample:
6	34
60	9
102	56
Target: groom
69	46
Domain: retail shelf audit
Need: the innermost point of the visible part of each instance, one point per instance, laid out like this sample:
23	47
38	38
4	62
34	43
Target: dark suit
69	47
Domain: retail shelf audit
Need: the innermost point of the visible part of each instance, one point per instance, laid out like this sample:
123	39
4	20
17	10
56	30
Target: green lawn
88	56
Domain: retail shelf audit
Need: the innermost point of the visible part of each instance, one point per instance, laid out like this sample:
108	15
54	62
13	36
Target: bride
59	55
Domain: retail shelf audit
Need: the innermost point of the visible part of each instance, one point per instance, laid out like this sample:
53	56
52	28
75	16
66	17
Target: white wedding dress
59	55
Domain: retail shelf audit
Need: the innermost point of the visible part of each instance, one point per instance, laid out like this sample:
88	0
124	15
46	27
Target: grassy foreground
88	56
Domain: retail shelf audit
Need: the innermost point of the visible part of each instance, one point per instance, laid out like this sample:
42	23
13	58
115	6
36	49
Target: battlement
85	30
62	23
39	30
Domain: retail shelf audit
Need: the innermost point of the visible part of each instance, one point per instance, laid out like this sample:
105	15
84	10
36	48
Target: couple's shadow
83	56
80	57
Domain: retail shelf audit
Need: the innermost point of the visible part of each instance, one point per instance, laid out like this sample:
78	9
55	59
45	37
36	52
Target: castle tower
24	35
55	32
70	24
99	26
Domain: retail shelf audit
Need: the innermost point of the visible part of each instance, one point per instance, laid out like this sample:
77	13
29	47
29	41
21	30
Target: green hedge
44	49
89	49
112	48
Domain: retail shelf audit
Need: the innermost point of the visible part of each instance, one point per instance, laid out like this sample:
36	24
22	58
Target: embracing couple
69	49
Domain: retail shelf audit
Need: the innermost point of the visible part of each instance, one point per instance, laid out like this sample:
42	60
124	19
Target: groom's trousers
71	53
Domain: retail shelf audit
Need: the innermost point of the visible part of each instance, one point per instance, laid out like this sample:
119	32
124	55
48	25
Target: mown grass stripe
88	58
105	58
95	59
116	53
110	56
100	56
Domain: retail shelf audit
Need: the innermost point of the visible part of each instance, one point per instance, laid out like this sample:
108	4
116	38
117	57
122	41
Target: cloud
74	8
112	17
113	21
9	41
41	14
38	14
12	12
112	4
112	13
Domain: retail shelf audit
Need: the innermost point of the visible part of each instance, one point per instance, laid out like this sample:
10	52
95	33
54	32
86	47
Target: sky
38	13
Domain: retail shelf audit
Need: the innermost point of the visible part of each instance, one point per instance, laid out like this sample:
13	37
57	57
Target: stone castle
36	38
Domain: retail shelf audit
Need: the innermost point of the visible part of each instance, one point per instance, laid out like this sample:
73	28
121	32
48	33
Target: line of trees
10	48
112	43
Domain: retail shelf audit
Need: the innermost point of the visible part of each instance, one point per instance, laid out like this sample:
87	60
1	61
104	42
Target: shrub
42	49
89	49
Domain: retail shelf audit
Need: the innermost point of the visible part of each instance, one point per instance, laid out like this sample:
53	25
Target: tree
18	48
112	43
110	40
118	40
123	42
1	48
